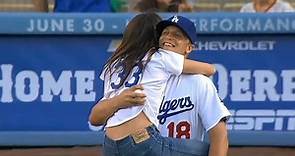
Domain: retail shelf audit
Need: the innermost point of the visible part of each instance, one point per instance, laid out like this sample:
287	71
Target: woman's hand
104	109
133	96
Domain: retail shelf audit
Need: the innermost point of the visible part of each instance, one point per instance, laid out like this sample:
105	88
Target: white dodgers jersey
154	78
191	107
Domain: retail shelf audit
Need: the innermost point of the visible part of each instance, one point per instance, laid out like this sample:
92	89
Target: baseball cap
184	24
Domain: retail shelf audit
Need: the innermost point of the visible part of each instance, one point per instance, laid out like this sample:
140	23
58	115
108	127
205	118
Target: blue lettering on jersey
122	74
136	76
168	108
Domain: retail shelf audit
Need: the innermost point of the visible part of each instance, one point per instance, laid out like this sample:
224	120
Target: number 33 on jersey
136	74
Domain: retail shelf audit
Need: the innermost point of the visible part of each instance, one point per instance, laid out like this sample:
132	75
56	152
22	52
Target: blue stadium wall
50	66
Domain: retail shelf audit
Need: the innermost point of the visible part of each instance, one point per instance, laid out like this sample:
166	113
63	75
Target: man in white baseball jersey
267	6
191	108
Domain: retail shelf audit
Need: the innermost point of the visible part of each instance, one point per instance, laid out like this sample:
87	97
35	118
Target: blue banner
109	23
255	77
55	79
50	81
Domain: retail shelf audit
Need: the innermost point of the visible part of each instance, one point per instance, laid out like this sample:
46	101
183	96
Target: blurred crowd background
131	5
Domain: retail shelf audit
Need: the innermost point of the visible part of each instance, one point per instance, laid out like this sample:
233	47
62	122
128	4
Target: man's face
173	39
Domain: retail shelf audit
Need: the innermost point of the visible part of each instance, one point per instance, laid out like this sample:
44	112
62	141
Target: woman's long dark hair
139	38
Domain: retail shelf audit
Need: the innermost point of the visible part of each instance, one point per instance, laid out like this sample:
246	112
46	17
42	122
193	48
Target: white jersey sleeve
173	62
211	107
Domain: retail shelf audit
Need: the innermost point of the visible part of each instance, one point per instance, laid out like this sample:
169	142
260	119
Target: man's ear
189	49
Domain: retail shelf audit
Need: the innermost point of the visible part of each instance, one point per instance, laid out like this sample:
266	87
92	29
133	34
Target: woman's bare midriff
121	131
